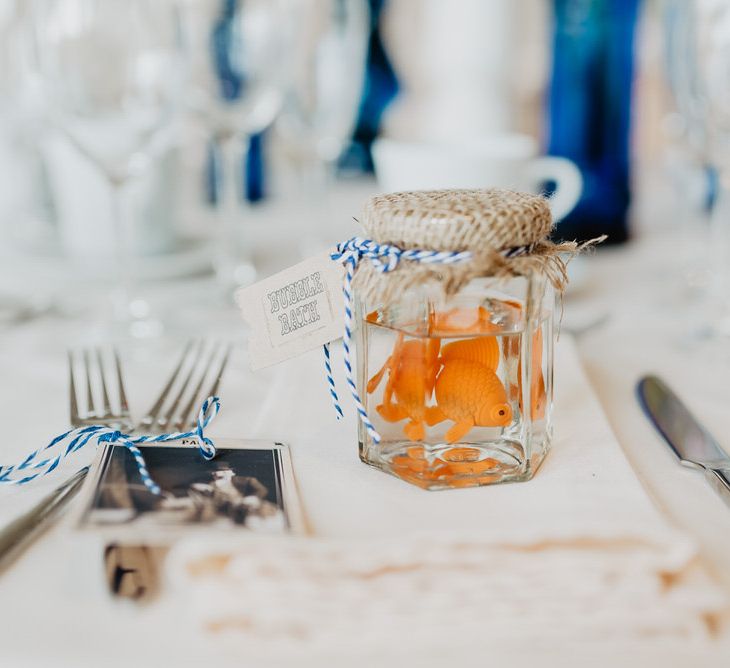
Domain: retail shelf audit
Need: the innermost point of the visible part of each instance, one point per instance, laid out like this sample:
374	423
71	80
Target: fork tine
197	356
74	416
151	417
90	409
214	387
124	406
185	414
104	393
90	362
191	417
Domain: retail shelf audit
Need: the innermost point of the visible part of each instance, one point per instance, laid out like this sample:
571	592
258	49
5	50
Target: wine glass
710	22
323	96
20	206
112	76
321	105
688	163
10	308
239	59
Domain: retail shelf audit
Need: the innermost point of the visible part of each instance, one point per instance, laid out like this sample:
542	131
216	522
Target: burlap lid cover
485	222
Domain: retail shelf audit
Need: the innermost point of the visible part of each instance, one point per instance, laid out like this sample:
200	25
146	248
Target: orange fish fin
433	364
415	431
433	347
431	379
373	316
538	398
375	380
459	430
392	412
434	415
537	389
537	348
393	363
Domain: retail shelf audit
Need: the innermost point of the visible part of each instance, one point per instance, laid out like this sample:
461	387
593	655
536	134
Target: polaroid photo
248	486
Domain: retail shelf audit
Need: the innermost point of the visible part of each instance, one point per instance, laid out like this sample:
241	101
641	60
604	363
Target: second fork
175	407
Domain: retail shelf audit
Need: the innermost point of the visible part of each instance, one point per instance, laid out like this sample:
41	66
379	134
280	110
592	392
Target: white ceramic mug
498	161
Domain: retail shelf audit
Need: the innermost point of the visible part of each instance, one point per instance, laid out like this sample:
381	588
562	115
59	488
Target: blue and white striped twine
43	461
331	381
385	258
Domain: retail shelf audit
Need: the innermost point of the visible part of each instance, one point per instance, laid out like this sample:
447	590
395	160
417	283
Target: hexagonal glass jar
459	388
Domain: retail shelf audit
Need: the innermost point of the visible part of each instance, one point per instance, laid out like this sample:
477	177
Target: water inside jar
445	393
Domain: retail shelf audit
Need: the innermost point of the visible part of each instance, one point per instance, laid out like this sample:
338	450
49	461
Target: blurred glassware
380	88
710	22
82	201
322	99
24	220
681	65
692	177
465	68
12	70
112	76
240	58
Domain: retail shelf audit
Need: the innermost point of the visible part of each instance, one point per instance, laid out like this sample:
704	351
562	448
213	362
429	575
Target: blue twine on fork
385	258
31	467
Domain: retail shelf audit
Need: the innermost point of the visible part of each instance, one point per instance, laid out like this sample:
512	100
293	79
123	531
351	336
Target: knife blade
20	533
693	445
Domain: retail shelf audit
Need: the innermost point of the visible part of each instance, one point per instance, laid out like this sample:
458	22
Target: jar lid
458	220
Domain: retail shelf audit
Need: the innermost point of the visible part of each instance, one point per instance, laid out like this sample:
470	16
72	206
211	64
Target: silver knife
690	441
20	533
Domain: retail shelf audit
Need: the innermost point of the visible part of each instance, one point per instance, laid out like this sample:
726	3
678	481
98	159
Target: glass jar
460	389
455	370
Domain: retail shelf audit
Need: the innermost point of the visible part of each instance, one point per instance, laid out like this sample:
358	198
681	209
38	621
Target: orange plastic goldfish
470	394
412	372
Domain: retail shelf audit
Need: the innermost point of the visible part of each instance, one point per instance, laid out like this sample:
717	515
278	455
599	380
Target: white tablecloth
53	608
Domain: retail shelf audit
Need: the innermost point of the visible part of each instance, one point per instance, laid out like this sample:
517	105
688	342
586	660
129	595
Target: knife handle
720	481
17	535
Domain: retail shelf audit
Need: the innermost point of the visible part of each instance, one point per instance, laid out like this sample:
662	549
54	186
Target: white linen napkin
577	555
585	487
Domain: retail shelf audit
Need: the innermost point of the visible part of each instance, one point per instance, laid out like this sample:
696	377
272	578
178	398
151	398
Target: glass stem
122	253
719	256
234	265
328	175
316	182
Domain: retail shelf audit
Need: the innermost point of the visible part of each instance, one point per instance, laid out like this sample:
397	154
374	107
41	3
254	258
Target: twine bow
43	461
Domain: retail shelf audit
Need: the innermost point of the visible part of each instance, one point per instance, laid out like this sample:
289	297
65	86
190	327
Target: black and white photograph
240	488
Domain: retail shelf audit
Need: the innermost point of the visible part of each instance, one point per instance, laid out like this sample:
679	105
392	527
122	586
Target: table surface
632	312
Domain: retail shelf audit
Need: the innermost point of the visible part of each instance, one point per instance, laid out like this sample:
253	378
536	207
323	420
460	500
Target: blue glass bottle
589	110
381	86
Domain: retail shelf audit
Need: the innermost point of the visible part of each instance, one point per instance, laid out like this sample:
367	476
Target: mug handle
567	178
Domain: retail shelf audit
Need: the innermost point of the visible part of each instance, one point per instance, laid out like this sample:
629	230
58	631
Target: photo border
162	535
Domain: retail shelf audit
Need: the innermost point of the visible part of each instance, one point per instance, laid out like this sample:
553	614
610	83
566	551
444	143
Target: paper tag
293	311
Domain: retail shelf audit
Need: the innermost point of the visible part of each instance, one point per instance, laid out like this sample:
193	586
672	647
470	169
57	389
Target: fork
94	411
132	570
184	387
